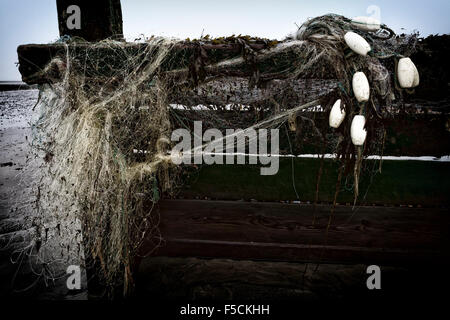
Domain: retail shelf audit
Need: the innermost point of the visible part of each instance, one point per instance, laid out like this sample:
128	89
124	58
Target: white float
361	87
357	131
407	73
337	115
366	23
357	43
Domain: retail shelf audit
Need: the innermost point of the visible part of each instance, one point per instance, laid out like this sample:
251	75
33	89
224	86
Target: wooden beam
100	19
413	135
293	232
400	183
296	284
34	61
273	63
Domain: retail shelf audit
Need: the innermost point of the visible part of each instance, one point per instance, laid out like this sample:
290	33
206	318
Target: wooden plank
411	135
272	64
430	58
400	183
225	279
292	232
293	252
35	58
406	135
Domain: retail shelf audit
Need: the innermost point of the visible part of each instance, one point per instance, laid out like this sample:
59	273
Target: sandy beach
15	108
21	278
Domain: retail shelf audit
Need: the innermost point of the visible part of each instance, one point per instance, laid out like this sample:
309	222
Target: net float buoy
357	131
407	73
361	87
366	23
337	114
357	43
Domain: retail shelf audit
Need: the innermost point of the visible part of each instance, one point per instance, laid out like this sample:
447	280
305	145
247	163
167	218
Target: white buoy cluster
407	76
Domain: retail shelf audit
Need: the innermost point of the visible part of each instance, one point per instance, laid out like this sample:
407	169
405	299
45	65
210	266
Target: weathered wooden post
98	20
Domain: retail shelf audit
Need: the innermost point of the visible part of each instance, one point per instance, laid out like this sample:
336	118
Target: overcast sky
35	21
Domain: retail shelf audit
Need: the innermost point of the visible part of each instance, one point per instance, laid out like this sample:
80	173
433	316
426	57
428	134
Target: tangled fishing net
104	131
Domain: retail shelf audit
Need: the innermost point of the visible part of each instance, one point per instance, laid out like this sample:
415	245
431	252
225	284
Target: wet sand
16	203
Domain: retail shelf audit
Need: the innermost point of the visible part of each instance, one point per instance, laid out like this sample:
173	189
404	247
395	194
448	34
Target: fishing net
104	128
